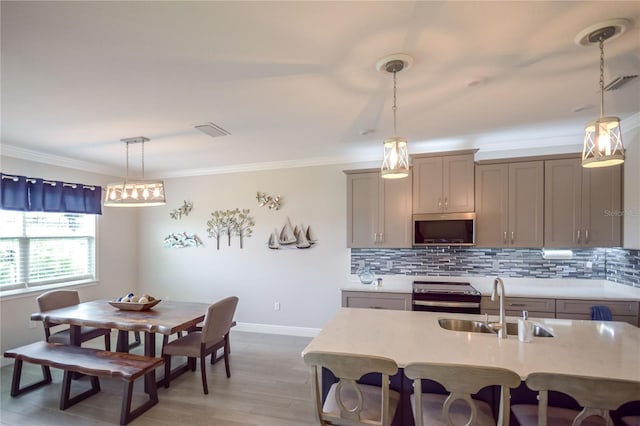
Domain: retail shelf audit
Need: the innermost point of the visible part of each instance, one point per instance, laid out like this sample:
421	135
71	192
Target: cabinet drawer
575	306
519	304
363	299
633	320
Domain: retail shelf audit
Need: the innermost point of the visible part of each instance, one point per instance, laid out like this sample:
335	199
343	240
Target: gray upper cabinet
378	211
510	204
582	205
443	184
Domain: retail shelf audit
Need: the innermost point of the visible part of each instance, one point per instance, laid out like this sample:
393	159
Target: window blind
39	248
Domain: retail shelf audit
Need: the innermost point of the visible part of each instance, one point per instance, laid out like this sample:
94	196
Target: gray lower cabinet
371	300
513	306
539	307
621	310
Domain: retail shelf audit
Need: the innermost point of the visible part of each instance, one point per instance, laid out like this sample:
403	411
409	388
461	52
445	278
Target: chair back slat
597	396
56	299
462	381
348	369
219	319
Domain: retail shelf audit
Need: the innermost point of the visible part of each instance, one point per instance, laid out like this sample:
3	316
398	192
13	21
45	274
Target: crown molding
630	123
57	160
256	167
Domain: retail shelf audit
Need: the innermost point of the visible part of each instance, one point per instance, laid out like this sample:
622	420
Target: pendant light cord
126	179
395	108
143	160
601	76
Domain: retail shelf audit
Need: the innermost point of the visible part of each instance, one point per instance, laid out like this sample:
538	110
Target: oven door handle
441	304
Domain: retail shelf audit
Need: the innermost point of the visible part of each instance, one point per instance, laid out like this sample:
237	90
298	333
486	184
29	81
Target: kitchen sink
538	330
474	326
465	325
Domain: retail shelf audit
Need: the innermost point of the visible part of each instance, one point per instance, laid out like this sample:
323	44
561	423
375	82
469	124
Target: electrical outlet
389	264
496	265
276	306
360	263
34	324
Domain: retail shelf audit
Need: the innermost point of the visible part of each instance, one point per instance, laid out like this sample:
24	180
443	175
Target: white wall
117	249
631	223
305	282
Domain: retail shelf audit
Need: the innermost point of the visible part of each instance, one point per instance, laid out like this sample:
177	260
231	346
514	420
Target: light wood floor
269	386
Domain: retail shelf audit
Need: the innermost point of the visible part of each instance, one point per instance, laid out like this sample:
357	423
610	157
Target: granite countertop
590	348
514	287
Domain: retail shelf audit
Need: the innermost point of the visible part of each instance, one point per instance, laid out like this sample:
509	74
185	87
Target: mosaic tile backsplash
618	265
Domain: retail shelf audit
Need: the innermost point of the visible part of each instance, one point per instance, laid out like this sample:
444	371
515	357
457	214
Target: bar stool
461	381
597	397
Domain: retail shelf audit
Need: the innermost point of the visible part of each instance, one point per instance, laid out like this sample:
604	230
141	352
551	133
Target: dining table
166	318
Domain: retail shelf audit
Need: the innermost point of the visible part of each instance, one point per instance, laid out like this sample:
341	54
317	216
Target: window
38	248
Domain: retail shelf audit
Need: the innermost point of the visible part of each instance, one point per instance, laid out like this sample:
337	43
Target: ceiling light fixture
602	138
135	193
395	163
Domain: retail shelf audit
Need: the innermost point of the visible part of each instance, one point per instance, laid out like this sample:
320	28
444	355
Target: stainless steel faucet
502	321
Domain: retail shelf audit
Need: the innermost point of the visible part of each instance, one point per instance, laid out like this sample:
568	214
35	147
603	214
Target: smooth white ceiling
295	82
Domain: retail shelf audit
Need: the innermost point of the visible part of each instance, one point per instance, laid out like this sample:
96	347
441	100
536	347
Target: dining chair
597	397
461	381
199	344
56	299
349	402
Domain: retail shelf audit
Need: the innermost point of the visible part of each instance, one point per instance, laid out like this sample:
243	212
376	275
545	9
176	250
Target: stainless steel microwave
444	229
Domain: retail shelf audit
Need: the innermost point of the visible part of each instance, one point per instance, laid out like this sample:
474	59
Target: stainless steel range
444	296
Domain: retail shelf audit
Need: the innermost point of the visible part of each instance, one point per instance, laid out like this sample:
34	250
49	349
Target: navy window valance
39	195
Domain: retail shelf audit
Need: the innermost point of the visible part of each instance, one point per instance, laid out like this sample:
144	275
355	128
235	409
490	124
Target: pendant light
602	138
135	193
395	163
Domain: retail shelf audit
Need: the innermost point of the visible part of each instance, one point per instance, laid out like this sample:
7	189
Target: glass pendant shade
135	194
395	163
603	143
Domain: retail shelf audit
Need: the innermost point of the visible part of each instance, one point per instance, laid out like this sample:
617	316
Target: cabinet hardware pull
446	203
586	236
439	202
504	237
511	237
578	236
382	237
518	304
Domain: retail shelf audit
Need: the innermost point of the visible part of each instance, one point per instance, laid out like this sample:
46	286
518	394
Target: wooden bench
91	362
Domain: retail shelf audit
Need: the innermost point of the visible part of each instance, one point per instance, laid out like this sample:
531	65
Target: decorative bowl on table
134	303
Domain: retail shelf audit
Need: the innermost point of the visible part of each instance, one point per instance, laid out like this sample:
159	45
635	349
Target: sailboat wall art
290	237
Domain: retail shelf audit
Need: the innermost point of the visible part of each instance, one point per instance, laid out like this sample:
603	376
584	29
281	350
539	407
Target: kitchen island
588	348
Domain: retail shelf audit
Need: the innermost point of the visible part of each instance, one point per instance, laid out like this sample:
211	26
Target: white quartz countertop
589	348
514	287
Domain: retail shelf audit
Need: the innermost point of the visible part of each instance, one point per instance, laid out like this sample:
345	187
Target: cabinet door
492	192
562	202
396	225
363	215
601	207
427	185
370	300
458	186
526	204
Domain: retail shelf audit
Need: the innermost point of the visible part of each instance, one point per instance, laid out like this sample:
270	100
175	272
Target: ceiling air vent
211	130
618	82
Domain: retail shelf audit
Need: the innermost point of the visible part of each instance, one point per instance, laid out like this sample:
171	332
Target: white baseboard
277	329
